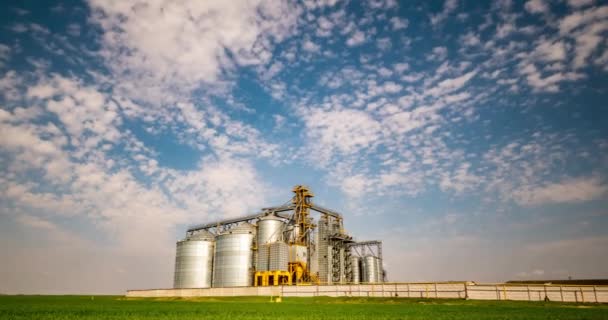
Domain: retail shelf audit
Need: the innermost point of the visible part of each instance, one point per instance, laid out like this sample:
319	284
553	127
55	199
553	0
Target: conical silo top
242	228
201	235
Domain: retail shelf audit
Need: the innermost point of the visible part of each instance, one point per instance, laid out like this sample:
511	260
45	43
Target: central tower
302	203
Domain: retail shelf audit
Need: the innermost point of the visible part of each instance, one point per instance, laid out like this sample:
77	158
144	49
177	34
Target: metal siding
232	265
193	264
269	230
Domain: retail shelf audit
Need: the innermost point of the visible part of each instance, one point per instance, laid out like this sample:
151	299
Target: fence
406	290
455	290
563	293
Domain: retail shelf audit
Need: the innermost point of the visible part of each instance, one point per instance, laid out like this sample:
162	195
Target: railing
457	290
431	290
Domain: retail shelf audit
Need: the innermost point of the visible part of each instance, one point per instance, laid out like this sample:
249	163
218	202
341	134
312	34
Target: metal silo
369	269
356	269
270	229
233	260
278	256
380	270
194	261
262	257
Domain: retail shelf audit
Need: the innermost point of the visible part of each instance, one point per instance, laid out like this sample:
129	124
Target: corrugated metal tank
380	270
262	258
298	253
270	229
369	269
290	233
233	259
194	261
356	269
278	256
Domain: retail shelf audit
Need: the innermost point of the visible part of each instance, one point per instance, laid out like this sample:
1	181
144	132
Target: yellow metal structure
272	278
297	270
302	203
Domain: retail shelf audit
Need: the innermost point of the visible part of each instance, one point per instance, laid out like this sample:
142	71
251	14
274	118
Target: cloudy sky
471	137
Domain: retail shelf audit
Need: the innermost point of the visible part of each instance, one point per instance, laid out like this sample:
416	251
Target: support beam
235	220
326	211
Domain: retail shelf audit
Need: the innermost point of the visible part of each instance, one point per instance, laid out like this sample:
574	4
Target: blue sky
470	137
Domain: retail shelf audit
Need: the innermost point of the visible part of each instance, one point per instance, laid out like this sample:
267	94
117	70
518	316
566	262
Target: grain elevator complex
280	246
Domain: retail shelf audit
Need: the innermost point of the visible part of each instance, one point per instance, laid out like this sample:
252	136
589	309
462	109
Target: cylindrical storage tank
369	269
278	256
233	259
356	269
194	261
380	270
270	229
290	234
262	257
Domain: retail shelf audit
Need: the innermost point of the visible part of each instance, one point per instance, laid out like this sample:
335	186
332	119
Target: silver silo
290	233
233	259
380	270
356	269
270	229
262	257
278	256
369	269
194	261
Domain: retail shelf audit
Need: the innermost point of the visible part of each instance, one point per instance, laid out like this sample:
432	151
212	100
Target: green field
113	307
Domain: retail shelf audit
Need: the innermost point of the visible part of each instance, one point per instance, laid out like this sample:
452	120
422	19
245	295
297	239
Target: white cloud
73	29
450	85
549	83
19	28
10	84
310	46
382	4
448	7
439	53
551	51
586	28
67	164
602	60
81	109
580	3
569	247
457	97
354	186
524	171
384	43
504	30
400	67
36	222
190	42
460	180
279	121
587	41
357	38
536	6
534	274
470	39
325	23
391	87
399	23
403	122
582	18
345	131
219	188
566	191
385	72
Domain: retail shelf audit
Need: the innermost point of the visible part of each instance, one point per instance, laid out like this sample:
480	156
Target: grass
114	307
